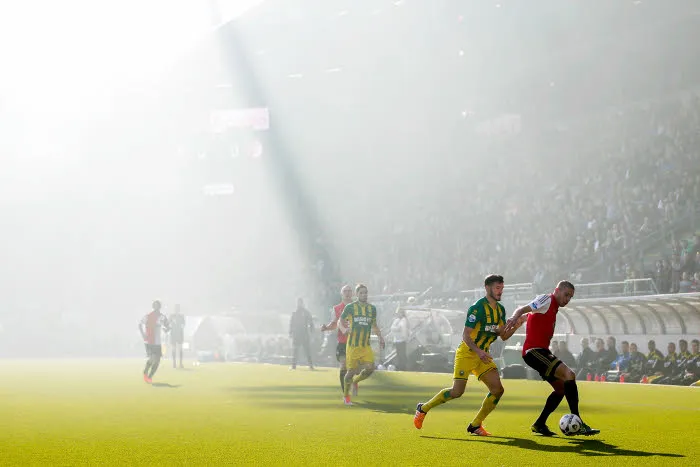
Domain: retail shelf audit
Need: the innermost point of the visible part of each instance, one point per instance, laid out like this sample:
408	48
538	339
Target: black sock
571	392
148	365
154	368
174	360
550	406
342	379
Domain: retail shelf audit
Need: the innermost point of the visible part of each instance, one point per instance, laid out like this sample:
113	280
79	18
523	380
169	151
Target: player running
541	320
151	327
346	297
485	322
362	319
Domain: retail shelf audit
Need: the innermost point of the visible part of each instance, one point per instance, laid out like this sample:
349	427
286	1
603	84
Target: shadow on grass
165	385
374	397
584	447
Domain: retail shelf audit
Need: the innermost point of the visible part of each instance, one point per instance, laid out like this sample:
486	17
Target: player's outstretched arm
512	323
333	325
505	335
142	328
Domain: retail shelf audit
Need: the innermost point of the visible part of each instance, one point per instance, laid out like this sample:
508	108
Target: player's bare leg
493	382
351	373
568	377
366	370
447	394
343	372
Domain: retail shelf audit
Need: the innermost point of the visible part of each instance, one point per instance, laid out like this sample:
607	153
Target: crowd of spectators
680	366
602	187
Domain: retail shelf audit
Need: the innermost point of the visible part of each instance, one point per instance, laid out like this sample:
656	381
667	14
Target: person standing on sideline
177	334
400	332
151	327
300	327
346	298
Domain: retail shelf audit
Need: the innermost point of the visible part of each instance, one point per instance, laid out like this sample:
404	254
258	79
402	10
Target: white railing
626	288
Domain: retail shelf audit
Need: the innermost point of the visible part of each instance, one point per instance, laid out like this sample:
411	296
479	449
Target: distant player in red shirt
346	297
151	327
541	320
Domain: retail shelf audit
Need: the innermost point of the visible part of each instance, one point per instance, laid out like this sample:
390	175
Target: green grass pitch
101	412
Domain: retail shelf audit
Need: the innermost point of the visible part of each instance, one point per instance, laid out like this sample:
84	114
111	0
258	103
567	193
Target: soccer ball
570	424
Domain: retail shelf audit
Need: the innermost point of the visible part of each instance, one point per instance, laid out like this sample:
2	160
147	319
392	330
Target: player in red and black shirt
541	320
151	327
346	298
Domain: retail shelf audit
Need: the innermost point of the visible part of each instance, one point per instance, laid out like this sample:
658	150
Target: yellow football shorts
355	356
467	362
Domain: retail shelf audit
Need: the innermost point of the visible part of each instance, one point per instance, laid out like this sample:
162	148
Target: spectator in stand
621	363
685	284
585	360
600	363
695	285
681	363
554	347
692	365
655	360
669	366
611	352
566	356
635	369
675	273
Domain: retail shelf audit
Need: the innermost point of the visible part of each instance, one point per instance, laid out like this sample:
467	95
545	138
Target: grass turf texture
101	412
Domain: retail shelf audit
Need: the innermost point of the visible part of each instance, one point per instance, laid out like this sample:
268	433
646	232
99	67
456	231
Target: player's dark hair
625	342
565	284
359	287
493	279
682	341
695	341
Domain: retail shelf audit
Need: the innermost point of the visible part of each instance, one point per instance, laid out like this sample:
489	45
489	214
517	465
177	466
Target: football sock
154	368
364	374
550	406
342	379
347	383
148	366
490	403
439	398
571	392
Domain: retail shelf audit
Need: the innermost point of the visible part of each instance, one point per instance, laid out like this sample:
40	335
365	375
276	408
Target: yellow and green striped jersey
484	320
362	316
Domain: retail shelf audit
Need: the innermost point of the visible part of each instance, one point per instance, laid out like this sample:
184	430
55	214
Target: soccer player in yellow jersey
359	358
485	322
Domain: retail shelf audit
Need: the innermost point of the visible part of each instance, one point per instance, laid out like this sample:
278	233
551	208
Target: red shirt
540	322
342	338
